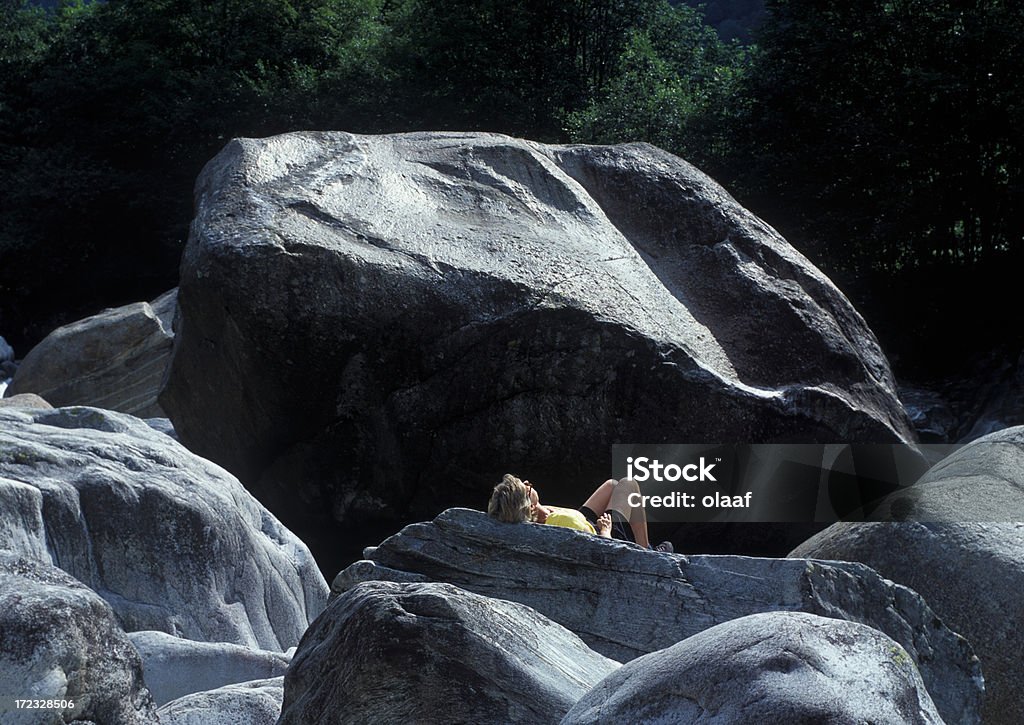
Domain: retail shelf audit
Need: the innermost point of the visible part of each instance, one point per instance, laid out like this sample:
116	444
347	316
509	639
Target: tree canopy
879	136
898	119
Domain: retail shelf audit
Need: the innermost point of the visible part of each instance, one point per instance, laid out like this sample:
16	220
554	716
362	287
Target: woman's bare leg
601	498
635	515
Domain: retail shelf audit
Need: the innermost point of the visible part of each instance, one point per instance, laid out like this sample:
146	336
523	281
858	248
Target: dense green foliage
732	19
900	119
878	136
884	138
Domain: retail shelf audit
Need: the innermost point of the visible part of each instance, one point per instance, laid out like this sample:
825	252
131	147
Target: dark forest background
881	138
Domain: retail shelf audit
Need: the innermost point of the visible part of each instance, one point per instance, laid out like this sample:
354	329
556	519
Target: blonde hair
510	501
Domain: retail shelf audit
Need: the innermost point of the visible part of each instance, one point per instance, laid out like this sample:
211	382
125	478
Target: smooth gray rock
6	351
59	640
175	667
961	547
115	359
163	425
777	667
625	601
171	541
25	400
21	515
366	570
251	703
414	311
390	653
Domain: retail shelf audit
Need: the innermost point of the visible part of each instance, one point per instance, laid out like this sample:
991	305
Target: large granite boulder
252	703
624	601
115	359
393	653
373	328
777	667
960	543
60	641
177	667
171	541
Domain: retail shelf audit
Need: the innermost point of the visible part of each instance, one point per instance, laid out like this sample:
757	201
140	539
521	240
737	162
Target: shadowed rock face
961	546
375	328
624	601
172	542
395	653
777	667
59	640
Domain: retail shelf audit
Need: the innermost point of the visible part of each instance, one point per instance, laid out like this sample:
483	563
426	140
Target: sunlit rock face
170	541
772	667
115	359
626	602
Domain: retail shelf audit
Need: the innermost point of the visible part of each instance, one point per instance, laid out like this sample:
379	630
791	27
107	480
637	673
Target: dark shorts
620	524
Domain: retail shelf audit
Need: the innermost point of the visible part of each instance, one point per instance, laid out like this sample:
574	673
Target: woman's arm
604	525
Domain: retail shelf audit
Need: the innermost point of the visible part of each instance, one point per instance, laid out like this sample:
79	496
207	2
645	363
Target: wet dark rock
986	396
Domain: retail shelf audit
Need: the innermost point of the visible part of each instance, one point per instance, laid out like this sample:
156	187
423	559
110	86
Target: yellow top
570	519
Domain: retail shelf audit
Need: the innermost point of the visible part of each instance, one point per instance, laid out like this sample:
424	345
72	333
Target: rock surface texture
394	653
59	640
961	546
777	667
370	325
177	667
624	601
172	542
252	703
114	360
25	400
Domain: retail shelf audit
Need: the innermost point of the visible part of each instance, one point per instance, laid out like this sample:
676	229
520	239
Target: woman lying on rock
514	501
